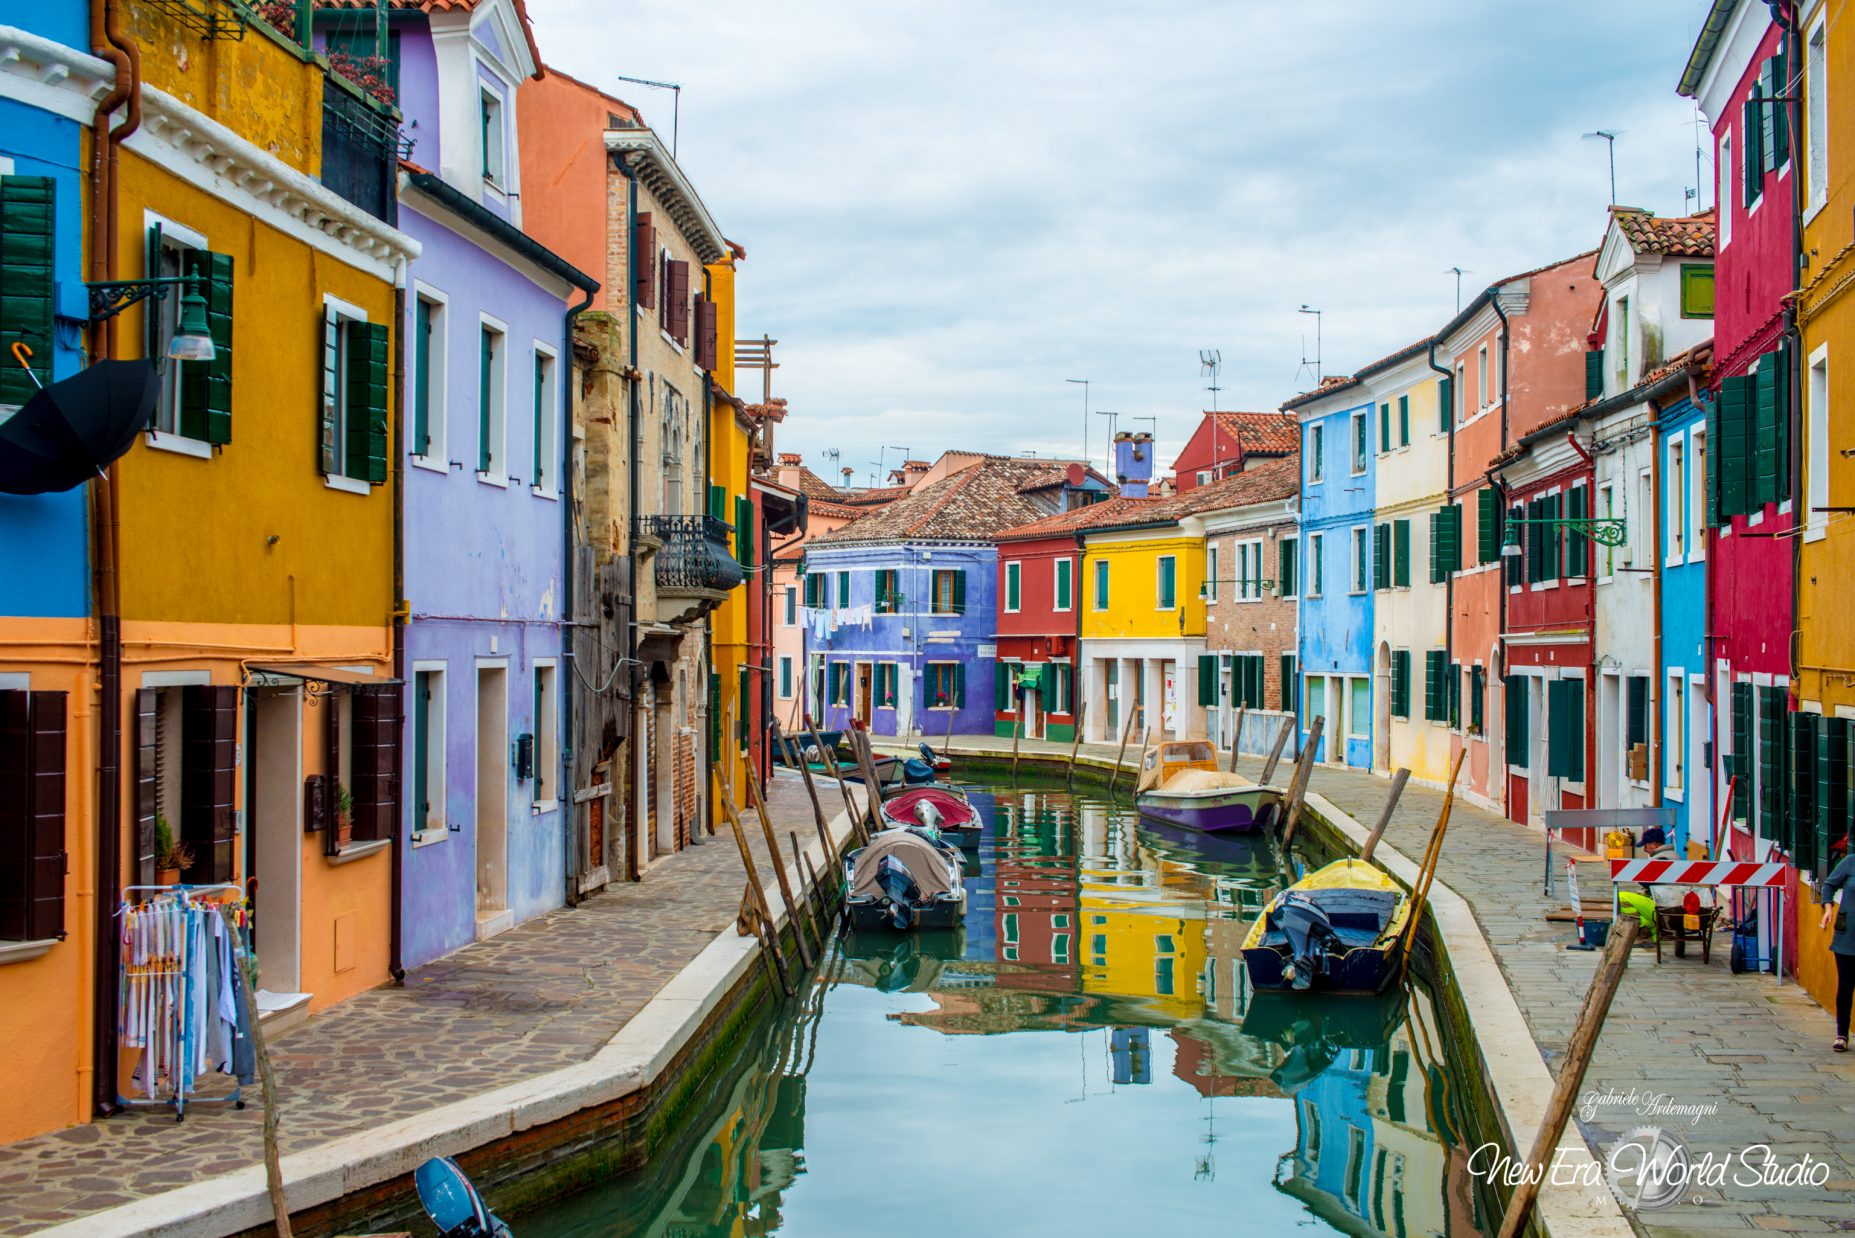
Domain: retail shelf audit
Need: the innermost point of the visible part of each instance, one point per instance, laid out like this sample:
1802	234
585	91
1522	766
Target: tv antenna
1210	365
1306	364
1084	384
1114	421
1458	272
1609	137
676	102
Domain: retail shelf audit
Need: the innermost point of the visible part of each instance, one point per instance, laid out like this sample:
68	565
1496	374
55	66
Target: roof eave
1705	45
666	179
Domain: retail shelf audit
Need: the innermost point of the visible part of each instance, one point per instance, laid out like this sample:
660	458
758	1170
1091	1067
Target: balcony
695	569
361	149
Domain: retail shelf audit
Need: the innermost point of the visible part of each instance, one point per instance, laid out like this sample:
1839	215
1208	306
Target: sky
951	208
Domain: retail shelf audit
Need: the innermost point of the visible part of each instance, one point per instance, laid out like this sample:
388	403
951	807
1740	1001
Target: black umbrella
70	431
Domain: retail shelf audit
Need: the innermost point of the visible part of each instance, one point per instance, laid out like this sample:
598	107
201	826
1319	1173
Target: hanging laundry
179	987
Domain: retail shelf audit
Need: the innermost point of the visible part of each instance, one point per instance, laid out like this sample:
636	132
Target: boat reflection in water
1094	1012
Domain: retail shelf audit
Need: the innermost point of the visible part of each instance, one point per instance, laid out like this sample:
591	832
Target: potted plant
171	856
344	810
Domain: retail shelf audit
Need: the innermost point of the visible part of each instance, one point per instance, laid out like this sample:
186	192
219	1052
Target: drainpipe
568	628
1449	579
633	814
1793	332
402	611
1500	585
109	42
705	780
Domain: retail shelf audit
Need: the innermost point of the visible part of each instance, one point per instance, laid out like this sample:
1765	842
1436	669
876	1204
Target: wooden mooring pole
765	910
1384	818
843	788
1275	753
779	872
1075	744
1298	788
1571	1074
1120	756
811	789
1236	737
267	1081
1017	729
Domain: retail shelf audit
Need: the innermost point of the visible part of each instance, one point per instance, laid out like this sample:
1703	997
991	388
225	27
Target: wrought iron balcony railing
695	553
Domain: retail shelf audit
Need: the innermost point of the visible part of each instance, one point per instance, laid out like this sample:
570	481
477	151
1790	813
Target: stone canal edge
643	1058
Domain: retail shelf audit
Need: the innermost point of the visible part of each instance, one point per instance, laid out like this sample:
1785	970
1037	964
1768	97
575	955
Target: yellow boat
1340	929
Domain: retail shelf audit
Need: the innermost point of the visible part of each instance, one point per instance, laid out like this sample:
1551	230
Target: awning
334	675
1031	677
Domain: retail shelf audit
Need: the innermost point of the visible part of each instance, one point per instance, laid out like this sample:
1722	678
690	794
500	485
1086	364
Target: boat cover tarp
1204	780
921	858
905	809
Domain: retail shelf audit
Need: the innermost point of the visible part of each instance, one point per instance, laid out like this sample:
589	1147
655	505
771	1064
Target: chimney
1133	463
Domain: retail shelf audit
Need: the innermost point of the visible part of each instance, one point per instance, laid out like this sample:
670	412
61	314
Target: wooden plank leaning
830	764
866	765
1275	753
1075	743
761	906
1298	788
811	789
779	871
1133	715
1236	737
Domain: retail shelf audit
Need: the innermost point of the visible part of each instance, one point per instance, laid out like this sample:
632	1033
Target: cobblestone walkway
543	995
1692	1033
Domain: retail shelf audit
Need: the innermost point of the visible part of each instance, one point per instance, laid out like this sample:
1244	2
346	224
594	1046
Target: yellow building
1823	671
1143	623
730	438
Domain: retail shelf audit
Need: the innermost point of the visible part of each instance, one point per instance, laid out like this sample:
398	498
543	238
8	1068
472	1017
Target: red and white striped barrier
1697	872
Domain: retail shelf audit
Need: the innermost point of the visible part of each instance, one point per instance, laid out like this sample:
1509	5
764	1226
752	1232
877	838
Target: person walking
1842	944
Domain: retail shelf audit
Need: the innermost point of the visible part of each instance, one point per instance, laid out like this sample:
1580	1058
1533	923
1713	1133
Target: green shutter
1064	568
206	386
1714	448
1290	688
959	685
1400	683
1831	800
959	591
744	687
1697	290
1565	729
1487	525
1207	679
1780	113
1445	402
421	747
1001	686
1101	584
541	466
1168	583
1742	751
1384	427
486	365
1436	549
1435	693
1552	536
1381	556
1401	553
1013	580
1766	439
1780	361
744	530
1772	742
367	396
1751	163
1577	541
1733	451
1801	811
1514	706
1767	117
421	376
1404	421
718	502
28	243
714	716
1593	373
1478	699
1285	567
1455	694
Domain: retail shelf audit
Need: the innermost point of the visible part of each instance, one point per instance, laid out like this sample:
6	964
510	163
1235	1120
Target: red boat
939	808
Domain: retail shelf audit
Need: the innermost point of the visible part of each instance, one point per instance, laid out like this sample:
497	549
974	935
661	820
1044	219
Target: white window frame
1250	573
1359	445
1210	572
1816	441
1056	580
1604	507
1014	583
1816	119
1723	199
1295	556
492	138
435	827
546	485
342	312
546	725
1675	733
498	474
1360	581
1481	377
166	435
1674	495
1159	577
790	615
1697	494
1355	729
1313	585
437	453
1460	413
785	676
1317	443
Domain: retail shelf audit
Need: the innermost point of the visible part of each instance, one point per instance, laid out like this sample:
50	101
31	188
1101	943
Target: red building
1039	620
1741	57
1547	478
1226	443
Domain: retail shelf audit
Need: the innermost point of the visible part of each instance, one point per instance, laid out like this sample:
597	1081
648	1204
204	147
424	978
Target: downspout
402	611
569	629
707	673
109	42
634	826
1449	491
1657	690
1793	332
1500	581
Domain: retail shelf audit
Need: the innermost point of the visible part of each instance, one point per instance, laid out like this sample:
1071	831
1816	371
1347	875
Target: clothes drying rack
179	1091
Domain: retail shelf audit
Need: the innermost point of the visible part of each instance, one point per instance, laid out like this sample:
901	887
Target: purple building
487	433
901	606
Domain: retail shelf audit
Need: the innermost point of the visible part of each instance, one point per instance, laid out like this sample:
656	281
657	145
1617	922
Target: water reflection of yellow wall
1151	953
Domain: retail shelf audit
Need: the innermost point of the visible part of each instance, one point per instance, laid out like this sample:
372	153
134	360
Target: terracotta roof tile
1265	434
973	504
1688	236
1110	511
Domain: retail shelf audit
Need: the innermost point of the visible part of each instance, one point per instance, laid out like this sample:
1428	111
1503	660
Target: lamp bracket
109	298
1604	530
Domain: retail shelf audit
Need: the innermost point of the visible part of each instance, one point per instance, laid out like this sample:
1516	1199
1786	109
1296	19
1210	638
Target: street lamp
192	339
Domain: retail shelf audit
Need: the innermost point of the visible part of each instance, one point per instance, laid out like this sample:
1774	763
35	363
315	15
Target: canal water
1085	1056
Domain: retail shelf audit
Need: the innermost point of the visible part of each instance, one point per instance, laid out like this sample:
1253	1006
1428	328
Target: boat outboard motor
452	1202
928	816
898	884
927	753
1310	936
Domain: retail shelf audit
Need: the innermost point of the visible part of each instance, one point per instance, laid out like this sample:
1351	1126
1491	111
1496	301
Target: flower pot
167	876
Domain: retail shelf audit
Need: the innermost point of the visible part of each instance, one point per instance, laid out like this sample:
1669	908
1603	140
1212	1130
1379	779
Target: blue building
1338	484
901	606
1686	721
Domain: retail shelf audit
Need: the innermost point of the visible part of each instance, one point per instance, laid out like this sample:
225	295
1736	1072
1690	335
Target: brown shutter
705	333
147	799
208	775
338	835
375	763
32	857
644	245
679	301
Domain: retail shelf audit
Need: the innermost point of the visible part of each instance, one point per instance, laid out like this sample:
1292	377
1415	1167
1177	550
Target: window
1697	290
1384	427
1289	683
1607	508
1014	581
1481	376
1816	123
428	747
1622	340
1064	585
428	378
1435	685
27	255
885	685
1249	570
1168	582
1519	566
186	758
817	684
32	812
1101	584
1565	729
1723	189
1636	711
354	396
949	592
1359	708
547	735
194	400
1816	483
1210	572
946	685
1317	454
490	116
889	591
1362	558
843	589
492	382
1674	732
1462	392
1204	477
1478	699
1514	709
785	676
1401	554
547	417
792	606
673	304
1359	442
1285	556
1676	490
1404	421
1316	568
1400	705
1697	494
1246	681
840	683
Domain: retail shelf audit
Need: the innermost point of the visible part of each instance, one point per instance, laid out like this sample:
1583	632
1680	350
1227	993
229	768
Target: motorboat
1340	929
1181	784
452	1202
944	810
904	878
